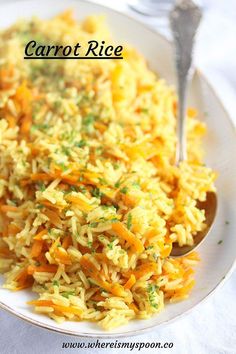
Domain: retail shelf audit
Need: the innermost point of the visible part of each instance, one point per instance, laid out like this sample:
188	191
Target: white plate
217	260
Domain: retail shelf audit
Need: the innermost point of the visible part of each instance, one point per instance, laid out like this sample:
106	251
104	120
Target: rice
91	200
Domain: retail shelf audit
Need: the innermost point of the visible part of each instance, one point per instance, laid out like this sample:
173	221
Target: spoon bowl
184	21
210	207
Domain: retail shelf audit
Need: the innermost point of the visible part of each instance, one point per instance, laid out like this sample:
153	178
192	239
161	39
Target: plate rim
107	335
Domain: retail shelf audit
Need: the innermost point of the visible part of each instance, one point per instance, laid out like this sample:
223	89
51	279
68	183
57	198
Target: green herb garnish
55	283
124	190
81	143
152	288
41	186
90	243
129	221
93	224
110	245
88	122
96	193
116	166
67	293
65	150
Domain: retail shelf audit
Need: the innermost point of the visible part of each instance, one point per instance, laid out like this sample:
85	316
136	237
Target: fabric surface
211	327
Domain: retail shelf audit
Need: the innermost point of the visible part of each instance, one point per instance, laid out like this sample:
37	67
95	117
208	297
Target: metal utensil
184	21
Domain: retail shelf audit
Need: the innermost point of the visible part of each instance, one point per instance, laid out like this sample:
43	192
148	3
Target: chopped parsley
41	186
110	245
90	244
96	193
144	110
116	166
226	222
62	166
220	242
152	288
42	127
117	184
55	283
114	220
102	181
129	221
136	185
57	104
99	150
82	189
81	143
74	189
93	224
124	190
88	122
65	150
67	293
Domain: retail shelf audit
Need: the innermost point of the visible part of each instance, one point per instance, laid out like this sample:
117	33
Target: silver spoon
184	20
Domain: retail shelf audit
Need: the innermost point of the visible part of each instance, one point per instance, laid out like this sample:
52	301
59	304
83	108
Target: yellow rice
91	200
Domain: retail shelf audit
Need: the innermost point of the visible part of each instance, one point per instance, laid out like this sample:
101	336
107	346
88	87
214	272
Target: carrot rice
91	200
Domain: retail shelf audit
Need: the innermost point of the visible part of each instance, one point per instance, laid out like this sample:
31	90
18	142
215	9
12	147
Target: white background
211	327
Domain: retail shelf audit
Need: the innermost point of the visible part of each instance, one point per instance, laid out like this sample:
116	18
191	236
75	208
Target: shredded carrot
53	217
88	265
129	200
70	309
41	177
23	99
5	74
130	282
166	250
11	120
36	248
99	126
97	297
55	244
128	236
5	252
39	235
188	272
84	206
13	229
46	203
61	256
60	308
115	289
150	233
132	306
143	269
144	149
49	303
67	242
21	277
41	303
25	285
49	268
101	257
6	208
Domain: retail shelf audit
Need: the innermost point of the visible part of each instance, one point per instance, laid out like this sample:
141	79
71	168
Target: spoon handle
184	20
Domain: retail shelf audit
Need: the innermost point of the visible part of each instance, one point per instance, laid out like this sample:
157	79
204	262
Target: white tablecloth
211	327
